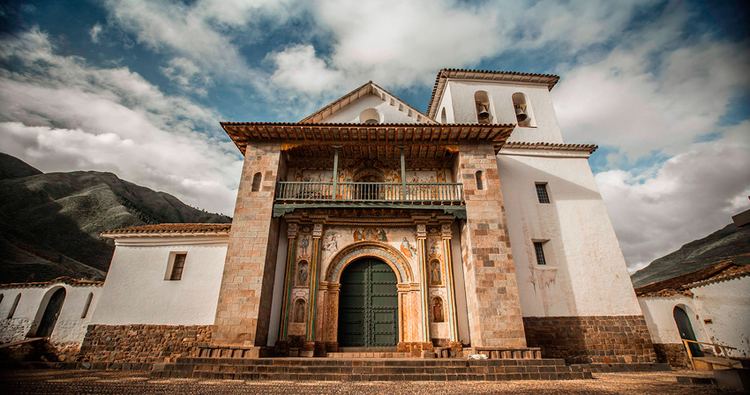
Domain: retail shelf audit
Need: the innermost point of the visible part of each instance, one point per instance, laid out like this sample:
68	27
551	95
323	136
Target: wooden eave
368	88
484	75
365	136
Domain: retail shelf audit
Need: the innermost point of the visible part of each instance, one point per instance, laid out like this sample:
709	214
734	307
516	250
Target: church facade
368	225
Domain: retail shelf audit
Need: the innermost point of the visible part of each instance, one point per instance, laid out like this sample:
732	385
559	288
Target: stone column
312	302
423	285
491	290
244	306
291	257
450	289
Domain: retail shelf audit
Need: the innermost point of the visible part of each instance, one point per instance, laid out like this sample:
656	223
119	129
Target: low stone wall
141	343
592	339
14	329
672	353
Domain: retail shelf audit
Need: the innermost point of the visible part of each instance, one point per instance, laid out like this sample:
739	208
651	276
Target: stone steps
367	354
370	369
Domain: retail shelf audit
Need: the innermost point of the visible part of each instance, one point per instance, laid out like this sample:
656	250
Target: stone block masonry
491	290
672	353
592	339
244	307
141	343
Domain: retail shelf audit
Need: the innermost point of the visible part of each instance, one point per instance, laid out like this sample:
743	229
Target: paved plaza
39	382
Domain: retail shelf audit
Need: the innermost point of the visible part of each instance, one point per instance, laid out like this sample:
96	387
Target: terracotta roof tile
169	229
724	270
75	282
590	148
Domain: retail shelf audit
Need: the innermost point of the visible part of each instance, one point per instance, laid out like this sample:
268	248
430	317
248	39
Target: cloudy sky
138	88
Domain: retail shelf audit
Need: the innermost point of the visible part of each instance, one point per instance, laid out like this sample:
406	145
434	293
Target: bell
484	115
521	114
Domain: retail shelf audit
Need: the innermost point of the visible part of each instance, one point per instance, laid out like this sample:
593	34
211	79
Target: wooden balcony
301	194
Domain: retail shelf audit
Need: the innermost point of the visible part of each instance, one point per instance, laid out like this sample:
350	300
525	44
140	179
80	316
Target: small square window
177	266
541	192
539	250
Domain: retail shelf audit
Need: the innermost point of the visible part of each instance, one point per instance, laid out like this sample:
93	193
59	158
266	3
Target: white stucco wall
70	327
136	292
389	113
585	273
458	99
719	313
727	305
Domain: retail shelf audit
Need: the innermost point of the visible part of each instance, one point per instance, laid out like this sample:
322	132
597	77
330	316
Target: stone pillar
447	235
423	285
244	307
312	302
291	257
491	290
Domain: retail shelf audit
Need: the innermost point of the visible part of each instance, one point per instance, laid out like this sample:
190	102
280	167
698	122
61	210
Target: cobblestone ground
98	382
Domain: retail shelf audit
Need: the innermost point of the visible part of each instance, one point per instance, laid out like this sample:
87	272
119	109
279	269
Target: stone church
369	226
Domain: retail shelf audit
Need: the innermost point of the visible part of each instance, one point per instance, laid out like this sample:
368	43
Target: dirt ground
39	382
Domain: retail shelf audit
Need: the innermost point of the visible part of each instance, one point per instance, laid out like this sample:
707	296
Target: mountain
50	222
727	242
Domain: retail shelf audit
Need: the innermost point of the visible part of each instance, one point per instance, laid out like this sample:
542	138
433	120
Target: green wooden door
368	305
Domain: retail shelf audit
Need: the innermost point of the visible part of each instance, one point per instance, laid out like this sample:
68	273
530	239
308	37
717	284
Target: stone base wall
141	343
592	339
673	353
14	329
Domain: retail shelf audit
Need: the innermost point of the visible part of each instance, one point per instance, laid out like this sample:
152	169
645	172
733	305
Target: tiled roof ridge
445	73
590	148
366	125
171	228
369	85
723	270
75	282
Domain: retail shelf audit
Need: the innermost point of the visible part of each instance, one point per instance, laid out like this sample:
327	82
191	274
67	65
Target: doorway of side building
51	313
368	305
682	319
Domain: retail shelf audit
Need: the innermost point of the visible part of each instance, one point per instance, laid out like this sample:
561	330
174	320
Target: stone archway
48	312
408	290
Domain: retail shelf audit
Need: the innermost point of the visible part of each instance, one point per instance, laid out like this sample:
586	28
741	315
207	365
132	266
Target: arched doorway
51	312
368	305
686	330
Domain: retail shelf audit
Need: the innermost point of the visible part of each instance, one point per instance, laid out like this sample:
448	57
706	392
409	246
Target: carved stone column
423	285
450	288
291	257
312	302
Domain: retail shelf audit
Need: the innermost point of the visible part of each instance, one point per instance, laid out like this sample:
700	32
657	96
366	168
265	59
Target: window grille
177	267
539	249
541	192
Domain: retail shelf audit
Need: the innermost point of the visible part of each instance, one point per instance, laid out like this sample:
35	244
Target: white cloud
187	75
95	32
691	195
61	114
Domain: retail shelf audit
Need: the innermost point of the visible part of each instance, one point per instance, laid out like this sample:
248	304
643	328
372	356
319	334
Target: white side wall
458	99
388	113
719	313
69	328
136	292
585	273
727	306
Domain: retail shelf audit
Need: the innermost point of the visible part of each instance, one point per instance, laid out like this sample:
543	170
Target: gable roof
503	76
368	88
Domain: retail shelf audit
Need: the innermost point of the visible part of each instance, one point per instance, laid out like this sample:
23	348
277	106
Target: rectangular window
539	250
541	192
177	266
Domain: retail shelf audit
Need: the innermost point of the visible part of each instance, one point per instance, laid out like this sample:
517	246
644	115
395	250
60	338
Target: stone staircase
369	369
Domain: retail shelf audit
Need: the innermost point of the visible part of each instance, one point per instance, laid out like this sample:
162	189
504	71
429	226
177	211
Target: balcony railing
369	192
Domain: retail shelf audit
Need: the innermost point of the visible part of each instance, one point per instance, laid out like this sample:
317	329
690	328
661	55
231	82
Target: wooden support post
403	174
335	172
